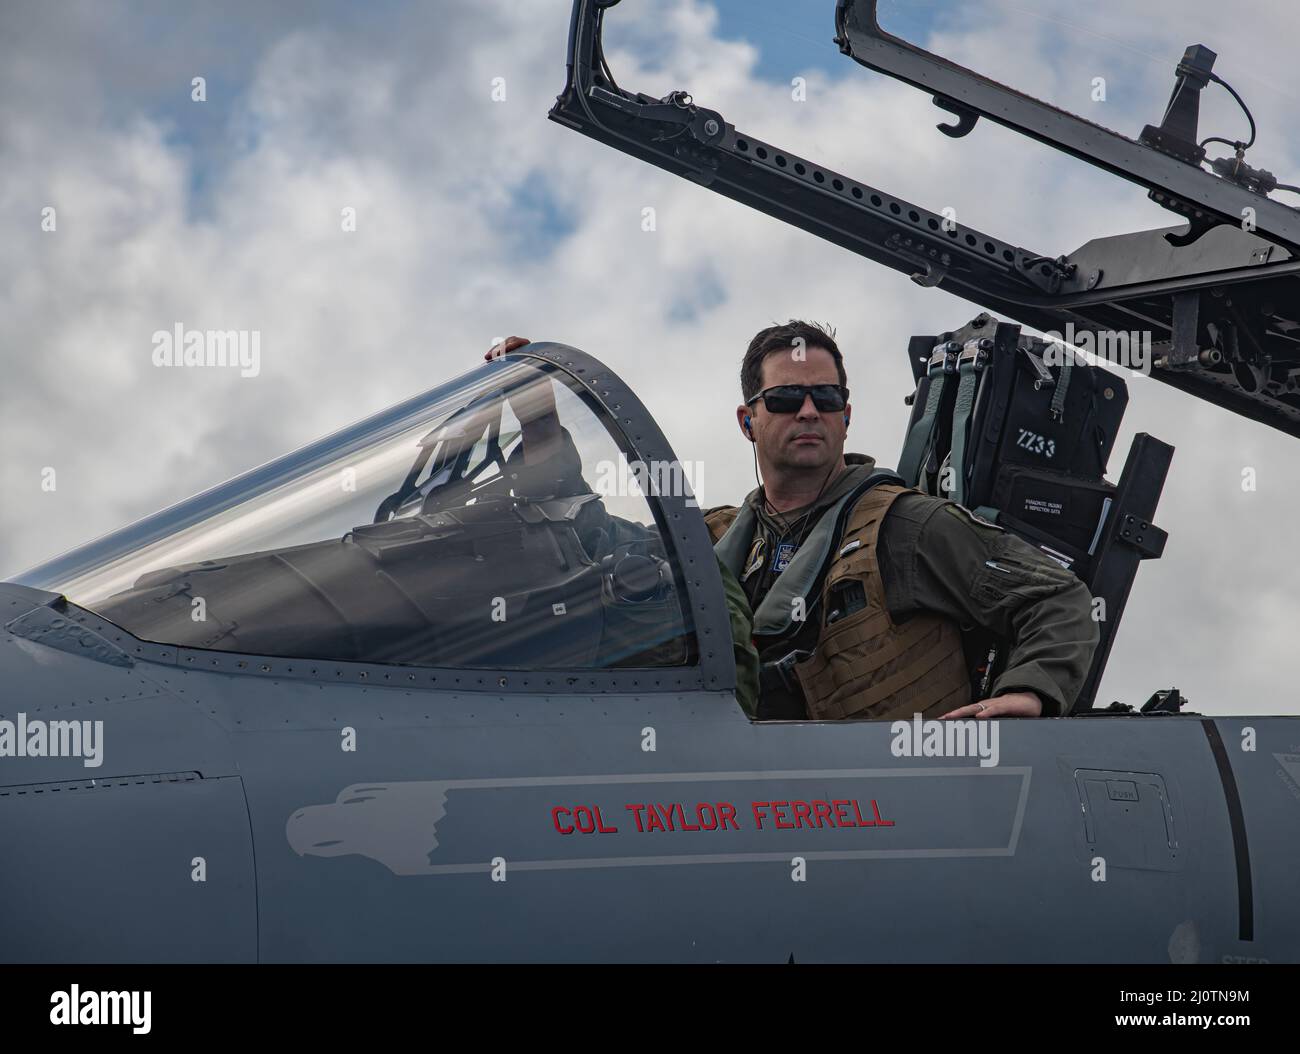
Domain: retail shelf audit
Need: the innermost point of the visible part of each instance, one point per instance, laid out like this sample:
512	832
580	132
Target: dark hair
777	338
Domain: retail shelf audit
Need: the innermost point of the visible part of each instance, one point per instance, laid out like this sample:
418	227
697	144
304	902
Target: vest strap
733	546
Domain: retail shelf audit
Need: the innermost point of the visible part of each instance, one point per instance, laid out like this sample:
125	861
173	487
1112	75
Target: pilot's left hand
1013	704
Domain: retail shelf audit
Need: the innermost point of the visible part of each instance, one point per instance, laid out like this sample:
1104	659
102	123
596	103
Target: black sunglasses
788	398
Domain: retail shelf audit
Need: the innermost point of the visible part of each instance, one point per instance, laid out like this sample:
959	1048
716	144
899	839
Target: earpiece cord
808	516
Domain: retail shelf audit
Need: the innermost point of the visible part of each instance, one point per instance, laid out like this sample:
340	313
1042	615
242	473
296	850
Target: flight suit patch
755	559
784	554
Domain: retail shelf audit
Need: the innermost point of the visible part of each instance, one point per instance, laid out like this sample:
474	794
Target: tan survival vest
864	664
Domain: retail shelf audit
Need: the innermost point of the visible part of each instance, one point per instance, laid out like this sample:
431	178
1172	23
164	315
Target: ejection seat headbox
1017	429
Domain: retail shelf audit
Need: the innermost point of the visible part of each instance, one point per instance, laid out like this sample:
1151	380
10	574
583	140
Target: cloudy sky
477	218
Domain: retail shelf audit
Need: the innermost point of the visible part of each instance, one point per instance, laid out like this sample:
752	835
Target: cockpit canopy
491	522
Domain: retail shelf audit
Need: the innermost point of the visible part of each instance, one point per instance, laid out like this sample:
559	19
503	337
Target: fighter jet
457	683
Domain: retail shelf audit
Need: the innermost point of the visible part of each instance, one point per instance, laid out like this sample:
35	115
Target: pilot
912	590
918	589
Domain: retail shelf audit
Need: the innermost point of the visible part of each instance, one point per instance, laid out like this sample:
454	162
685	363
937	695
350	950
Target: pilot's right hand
534	406
508	345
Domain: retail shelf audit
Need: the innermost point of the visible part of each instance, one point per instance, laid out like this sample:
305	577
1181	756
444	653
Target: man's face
807	440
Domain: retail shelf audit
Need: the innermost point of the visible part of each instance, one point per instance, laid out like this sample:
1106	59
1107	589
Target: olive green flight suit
937	557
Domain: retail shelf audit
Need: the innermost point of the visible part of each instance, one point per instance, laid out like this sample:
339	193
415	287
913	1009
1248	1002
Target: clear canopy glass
457	529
